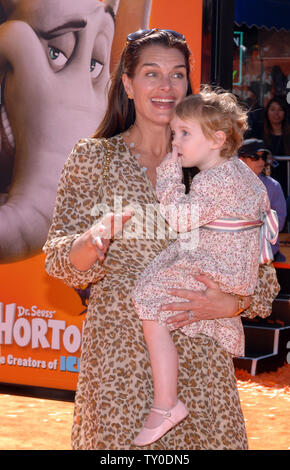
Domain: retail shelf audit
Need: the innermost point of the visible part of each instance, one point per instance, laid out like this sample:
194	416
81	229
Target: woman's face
159	83
275	113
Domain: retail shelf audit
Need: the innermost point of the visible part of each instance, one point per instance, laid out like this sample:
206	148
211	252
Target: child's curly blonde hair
216	110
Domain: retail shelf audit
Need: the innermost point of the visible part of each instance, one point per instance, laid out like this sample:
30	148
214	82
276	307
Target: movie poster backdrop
54	69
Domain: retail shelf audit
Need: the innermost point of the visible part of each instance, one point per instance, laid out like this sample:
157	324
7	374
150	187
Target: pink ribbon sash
268	234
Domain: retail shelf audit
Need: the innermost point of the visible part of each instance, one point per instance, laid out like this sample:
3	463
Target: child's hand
172	157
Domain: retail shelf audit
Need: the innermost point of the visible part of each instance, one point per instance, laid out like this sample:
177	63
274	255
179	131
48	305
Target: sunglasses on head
143	33
257	155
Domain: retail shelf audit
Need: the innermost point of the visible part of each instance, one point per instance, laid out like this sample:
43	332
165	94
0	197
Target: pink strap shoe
171	418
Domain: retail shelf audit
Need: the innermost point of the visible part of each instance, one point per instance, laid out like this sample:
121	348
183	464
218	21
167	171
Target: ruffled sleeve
80	187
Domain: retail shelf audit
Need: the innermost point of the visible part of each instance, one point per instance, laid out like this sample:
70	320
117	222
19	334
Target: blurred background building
246	48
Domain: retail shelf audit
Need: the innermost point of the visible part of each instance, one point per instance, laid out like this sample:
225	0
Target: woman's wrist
242	303
83	253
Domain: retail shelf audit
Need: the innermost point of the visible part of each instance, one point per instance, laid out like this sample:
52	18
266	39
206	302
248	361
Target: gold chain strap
107	159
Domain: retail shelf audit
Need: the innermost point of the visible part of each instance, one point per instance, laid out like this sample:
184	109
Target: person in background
255	154
276	127
275	131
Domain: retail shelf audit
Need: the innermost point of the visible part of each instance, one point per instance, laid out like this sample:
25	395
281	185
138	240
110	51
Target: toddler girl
219	224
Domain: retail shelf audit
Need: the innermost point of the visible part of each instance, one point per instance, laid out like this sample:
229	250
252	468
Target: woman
276	135
115	385
276	127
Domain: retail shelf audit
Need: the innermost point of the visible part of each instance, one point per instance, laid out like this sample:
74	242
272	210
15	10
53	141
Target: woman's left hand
199	305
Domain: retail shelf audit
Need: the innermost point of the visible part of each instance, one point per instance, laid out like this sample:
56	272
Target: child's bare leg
164	364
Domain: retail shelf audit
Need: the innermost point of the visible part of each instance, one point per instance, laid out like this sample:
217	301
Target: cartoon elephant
54	74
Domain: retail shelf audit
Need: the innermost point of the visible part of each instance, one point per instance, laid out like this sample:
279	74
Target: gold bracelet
241	305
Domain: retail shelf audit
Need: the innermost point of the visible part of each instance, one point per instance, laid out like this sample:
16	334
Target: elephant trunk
18	227
26	216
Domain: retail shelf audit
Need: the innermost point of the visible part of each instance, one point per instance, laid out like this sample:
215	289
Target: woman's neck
149	144
276	129
151	141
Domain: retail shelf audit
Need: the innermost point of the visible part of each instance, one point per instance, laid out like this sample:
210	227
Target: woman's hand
197	305
94	243
106	229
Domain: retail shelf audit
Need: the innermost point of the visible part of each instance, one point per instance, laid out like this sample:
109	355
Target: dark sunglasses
257	155
143	33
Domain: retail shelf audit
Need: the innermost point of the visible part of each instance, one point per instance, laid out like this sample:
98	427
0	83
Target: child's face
195	149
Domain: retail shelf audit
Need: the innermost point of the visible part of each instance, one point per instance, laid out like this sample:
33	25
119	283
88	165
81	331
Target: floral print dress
229	191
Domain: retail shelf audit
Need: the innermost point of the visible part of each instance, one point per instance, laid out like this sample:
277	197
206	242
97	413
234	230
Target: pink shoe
171	418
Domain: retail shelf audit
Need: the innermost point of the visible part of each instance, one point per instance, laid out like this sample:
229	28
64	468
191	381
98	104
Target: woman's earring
130	97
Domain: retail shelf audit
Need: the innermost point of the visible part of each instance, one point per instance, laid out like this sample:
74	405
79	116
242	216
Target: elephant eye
96	68
58	57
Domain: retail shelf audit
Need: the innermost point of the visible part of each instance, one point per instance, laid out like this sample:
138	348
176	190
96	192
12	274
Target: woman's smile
163	103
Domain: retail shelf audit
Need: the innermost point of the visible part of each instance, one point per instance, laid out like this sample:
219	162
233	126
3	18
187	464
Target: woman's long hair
120	114
285	128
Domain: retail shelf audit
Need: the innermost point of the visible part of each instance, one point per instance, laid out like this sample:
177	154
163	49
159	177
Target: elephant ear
131	15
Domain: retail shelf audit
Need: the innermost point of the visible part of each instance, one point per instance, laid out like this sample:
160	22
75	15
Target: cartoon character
54	74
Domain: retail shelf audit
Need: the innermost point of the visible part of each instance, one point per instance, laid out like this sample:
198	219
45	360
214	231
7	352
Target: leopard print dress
114	391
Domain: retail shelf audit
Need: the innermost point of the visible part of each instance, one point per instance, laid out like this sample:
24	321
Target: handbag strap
108	157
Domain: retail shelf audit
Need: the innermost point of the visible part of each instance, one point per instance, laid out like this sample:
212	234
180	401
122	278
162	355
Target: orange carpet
37	424
265	400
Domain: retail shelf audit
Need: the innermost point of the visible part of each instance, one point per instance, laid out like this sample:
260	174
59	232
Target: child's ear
219	139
